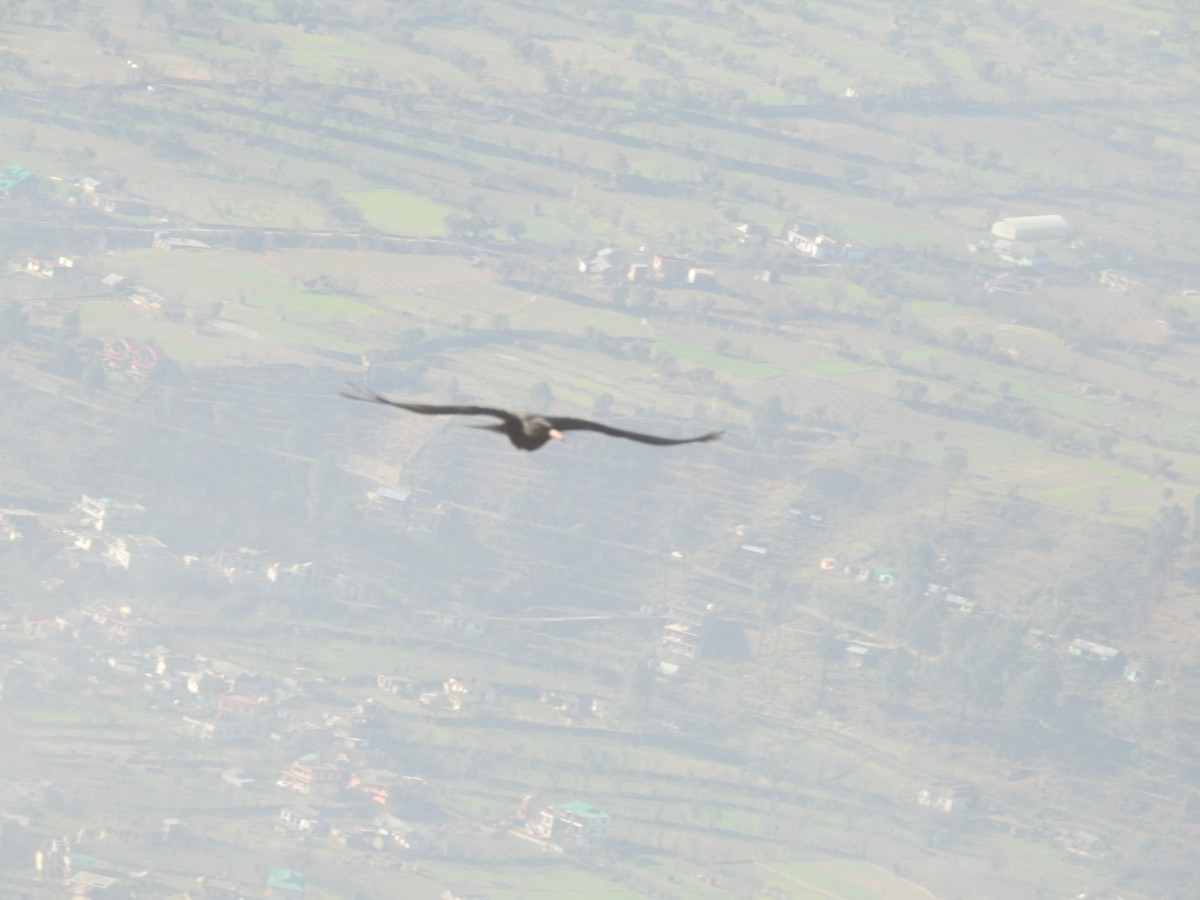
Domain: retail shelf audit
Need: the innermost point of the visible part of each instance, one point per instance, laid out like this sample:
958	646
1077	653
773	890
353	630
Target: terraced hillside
954	455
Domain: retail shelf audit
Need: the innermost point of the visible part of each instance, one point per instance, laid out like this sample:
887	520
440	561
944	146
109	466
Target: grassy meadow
422	188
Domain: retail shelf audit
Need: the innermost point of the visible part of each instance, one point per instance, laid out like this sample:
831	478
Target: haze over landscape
920	624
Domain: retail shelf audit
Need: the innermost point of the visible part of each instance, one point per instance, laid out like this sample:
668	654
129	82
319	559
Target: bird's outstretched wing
426	409
564	424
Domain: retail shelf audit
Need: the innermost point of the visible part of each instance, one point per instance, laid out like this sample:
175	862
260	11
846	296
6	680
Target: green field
400	212
543	881
812	880
744	367
421	187
835	367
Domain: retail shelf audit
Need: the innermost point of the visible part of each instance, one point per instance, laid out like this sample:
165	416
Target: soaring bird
528	431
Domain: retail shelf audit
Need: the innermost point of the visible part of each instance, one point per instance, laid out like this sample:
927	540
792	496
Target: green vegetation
400	212
366	193
744	367
826	883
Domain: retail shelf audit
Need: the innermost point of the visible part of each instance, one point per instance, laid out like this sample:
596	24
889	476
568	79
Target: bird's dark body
529	431
534	431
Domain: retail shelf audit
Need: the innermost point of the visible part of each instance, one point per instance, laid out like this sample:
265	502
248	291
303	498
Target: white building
105	514
577	825
1032	228
1091	650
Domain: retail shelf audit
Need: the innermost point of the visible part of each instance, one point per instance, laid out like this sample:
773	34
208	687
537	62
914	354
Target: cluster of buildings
89	191
40	267
809	240
884	575
127	356
103	533
612	265
142	297
347	775
1015	242
1133	670
574	825
805	238
13	180
684	632
109	533
102	648
16	181
419	512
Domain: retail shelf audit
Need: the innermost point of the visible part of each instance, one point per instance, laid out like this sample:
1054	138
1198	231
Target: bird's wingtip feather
358	392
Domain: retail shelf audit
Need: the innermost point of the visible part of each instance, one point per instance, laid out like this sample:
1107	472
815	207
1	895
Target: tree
602	405
478	225
14	324
71	324
618	168
895	673
829	648
666	364
1030	698
170	144
954	463
770	419
515	229
640	684
321	190
911	392
644	295
69	363
251	240
95	376
923	628
410	340
1165	538
540	396
974	668
322	487
346	213
854	172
